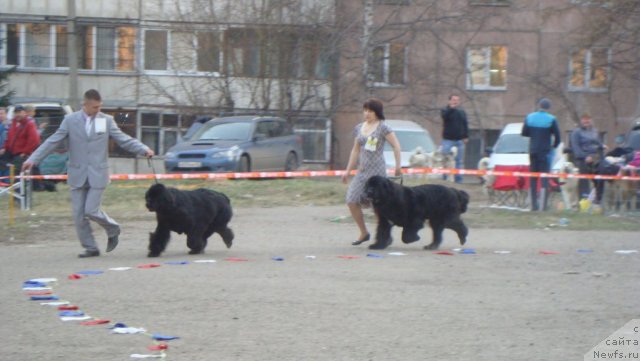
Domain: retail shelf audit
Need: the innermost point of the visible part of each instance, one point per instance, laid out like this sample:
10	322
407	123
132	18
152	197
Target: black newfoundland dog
409	207
198	213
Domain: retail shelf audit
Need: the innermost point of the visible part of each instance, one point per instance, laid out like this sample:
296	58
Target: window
105	48
487	68
387	64
126	121
160	131
155	50
242	53
589	69
182	51
13	44
62	61
208	51
37	46
311	59
84	44
45	46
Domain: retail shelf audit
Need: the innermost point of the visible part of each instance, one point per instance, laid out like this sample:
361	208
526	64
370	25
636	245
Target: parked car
237	143
512	148
632	139
410	136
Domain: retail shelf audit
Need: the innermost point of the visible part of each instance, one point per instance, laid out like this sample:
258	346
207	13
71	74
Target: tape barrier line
338	173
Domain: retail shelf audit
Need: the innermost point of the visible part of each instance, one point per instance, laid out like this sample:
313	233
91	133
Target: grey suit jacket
88	154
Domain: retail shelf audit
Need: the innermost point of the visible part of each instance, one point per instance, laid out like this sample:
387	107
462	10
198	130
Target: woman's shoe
361	241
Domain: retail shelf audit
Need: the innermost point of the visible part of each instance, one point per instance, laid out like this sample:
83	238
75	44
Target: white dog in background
445	160
420	159
569	186
486	180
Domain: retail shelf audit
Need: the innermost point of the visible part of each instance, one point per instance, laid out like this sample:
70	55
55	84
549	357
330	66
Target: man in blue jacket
540	127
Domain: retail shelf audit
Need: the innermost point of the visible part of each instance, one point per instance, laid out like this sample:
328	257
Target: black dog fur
409	207
198	213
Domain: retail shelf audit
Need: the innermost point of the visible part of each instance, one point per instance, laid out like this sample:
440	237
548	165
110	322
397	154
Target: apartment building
161	63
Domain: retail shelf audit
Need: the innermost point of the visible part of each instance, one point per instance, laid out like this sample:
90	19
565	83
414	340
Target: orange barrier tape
338	173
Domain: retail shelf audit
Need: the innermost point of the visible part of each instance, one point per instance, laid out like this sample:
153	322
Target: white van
512	148
410	136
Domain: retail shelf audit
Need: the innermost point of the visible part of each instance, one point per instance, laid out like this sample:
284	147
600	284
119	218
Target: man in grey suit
87	133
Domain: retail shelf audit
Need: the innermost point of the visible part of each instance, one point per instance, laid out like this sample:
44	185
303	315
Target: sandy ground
419	306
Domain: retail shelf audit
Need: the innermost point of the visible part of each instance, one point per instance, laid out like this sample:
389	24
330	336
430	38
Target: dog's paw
227	237
196	251
378	246
410	238
463	241
153	254
431	247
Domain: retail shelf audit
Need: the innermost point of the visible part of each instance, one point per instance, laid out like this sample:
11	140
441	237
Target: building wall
539	35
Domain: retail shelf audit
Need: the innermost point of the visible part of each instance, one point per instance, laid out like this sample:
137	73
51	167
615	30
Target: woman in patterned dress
367	154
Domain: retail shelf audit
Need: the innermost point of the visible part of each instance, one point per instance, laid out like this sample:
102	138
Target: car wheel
244	165
291	163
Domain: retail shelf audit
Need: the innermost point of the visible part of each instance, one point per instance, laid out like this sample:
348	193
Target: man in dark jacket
540	126
454	131
587	149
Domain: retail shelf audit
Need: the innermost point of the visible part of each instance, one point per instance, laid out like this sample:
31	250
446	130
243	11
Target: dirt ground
522	305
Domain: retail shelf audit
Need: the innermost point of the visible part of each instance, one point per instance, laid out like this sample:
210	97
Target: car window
270	128
223	131
410	140
511	144
634	140
276	129
52	117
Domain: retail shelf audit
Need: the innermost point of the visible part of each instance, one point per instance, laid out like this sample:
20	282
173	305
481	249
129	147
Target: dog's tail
463	199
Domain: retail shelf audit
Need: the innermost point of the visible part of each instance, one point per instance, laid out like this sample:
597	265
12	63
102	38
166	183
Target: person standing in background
455	131
540	126
586	148
22	139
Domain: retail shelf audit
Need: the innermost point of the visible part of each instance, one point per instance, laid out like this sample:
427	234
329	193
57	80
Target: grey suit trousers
86	202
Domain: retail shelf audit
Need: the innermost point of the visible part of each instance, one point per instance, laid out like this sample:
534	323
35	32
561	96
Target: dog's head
158	197
379	189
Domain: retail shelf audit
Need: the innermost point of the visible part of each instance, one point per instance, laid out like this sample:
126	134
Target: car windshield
511	144
410	140
223	131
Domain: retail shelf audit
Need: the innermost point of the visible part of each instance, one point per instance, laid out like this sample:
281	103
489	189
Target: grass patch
125	201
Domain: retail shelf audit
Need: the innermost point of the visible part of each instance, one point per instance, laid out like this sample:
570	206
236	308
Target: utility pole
72	55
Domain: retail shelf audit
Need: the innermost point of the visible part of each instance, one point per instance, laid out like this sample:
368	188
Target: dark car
237	143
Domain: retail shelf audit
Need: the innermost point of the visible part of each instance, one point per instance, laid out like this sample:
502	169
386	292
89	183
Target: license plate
189	164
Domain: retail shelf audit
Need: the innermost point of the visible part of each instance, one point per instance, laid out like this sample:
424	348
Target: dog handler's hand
149	153
398	172
26	166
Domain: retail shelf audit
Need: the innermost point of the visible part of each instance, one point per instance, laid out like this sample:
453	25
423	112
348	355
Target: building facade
161	63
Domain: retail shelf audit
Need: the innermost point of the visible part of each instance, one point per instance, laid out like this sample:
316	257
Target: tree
270	56
5	95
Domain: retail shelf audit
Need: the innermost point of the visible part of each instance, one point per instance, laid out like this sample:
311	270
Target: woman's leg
358	217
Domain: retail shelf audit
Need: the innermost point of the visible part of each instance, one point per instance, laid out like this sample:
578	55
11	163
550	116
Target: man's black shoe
89	254
112	243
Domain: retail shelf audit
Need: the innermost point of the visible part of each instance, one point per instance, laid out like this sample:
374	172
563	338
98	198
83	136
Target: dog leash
398	179
153	169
